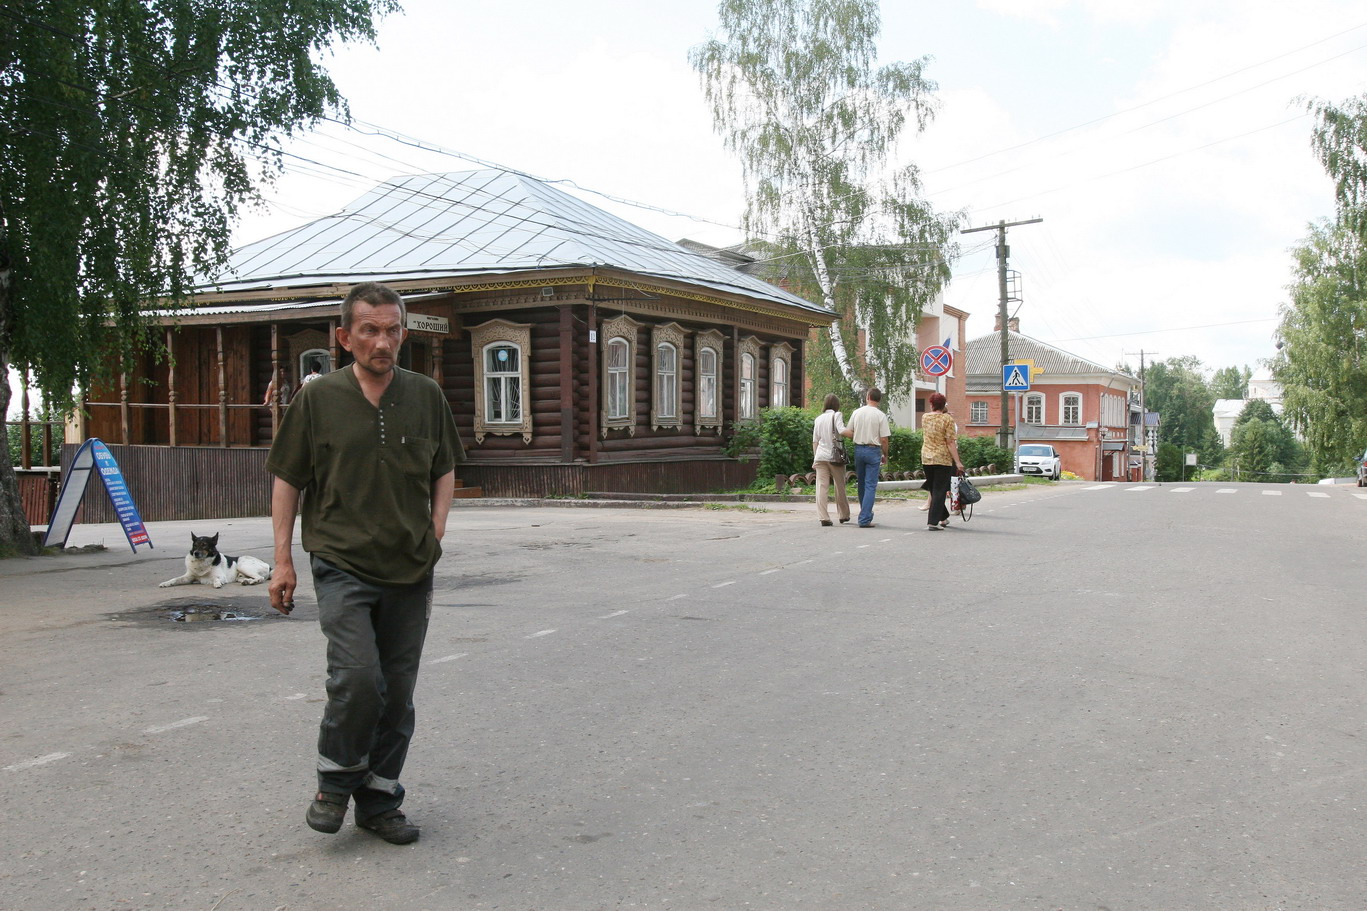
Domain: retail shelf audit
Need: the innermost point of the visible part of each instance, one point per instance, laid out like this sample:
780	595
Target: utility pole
1144	418
1006	433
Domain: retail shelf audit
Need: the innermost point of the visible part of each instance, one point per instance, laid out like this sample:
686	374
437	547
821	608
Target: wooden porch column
438	373
26	432
222	389
334	349
566	384
594	369
124	423
171	394
275	379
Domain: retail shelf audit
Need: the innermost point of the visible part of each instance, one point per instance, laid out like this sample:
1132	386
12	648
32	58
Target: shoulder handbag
837	445
968	494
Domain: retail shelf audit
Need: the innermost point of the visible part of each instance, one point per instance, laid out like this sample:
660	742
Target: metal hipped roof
468	223
983	357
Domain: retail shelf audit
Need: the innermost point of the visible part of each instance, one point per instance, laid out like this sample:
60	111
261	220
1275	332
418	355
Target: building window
619	374
666	408
977	413
747	390
667	381
707	358
1034	409
747	386
780	374
1072	408
502	383
501	351
313	363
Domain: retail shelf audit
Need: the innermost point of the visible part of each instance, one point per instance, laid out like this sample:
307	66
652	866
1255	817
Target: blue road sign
1016	378
936	360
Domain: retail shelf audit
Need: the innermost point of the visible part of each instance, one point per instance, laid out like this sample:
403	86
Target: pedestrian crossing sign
1016	378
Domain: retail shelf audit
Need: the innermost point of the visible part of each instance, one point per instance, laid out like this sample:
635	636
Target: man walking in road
869	429
372	449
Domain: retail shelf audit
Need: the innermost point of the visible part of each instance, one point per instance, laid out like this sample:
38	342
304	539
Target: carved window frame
716	342
518	335
625	328
1034	406
780	375
673	335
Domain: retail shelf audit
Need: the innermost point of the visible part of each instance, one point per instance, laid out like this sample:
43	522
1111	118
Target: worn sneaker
326	812
392	826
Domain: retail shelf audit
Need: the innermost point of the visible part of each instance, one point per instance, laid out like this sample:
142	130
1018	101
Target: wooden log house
579	352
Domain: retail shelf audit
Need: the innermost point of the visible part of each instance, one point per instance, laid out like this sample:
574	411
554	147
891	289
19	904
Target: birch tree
797	94
1322	362
131	131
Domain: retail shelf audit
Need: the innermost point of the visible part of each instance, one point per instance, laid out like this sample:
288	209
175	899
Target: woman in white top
826	435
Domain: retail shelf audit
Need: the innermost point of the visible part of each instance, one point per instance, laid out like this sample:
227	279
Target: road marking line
885	540
1226	490
1272	493
449	658
768	571
182	723
1182	489
31	763
800	562
1315	493
724	584
296	696
1099	487
1146	487
614	614
676	597
544	632
862	546
1361	496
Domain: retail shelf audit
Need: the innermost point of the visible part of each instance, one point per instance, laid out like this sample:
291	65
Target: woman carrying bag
828	459
940	458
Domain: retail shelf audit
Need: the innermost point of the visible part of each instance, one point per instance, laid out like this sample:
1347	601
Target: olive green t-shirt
366	473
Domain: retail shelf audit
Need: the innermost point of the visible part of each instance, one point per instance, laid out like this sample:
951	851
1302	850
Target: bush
783	438
979	451
904	449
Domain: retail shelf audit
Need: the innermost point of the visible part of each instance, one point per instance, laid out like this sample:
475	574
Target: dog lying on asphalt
205	565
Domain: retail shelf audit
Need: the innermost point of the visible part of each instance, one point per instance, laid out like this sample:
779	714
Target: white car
1039	459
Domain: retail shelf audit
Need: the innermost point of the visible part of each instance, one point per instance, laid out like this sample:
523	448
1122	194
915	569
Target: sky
1161	143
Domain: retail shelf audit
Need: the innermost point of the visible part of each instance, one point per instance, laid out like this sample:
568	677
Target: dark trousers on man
375	635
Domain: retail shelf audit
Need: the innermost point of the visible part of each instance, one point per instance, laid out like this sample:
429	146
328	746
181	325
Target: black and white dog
204	564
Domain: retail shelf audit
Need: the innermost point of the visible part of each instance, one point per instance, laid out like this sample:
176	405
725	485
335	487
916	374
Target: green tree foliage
131	133
1168	463
1324	334
1261	448
1176	388
1320	365
796	94
1231	382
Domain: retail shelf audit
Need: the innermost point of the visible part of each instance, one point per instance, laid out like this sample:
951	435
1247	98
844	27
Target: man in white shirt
869	429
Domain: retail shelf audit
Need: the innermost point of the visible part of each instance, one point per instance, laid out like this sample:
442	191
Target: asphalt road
1090	696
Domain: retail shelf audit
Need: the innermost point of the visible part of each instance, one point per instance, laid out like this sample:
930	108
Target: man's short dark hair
374	294
873	395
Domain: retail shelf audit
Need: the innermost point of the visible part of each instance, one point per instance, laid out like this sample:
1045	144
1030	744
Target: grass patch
733	507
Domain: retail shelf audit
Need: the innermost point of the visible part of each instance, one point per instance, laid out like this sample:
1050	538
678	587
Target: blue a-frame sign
94	456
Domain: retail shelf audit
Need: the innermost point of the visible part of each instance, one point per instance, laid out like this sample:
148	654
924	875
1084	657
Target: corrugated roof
470	223
983	356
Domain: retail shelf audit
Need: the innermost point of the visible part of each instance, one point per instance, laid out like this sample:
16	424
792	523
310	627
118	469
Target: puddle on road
198	614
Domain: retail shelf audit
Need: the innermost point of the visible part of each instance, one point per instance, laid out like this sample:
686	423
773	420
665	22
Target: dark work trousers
375	635
938	476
